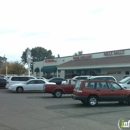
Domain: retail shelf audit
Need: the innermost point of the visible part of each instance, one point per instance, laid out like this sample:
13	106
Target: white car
82	77
125	82
104	77
17	79
30	85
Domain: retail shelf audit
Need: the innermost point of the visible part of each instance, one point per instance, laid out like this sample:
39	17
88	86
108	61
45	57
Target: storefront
48	67
116	63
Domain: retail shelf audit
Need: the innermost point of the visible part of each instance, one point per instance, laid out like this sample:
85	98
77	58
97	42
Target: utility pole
6	68
28	56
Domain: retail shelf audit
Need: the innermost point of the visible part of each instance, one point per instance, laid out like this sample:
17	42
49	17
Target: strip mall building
116	63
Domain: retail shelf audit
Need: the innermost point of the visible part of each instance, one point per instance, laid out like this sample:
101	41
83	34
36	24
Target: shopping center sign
51	60
82	57
110	53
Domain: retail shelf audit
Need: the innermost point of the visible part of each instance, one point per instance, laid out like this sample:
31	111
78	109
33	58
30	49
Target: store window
127	73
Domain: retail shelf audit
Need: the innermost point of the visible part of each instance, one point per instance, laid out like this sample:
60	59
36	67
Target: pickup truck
58	90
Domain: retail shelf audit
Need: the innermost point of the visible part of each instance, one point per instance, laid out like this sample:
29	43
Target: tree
38	54
78	53
58	56
13	68
2	60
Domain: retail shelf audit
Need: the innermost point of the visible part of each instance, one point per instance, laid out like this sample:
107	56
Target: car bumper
76	97
12	89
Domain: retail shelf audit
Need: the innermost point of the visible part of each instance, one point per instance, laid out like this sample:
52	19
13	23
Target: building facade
116	63
48	68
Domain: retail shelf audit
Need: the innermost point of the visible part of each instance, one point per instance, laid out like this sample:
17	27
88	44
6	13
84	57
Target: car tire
128	100
92	101
58	93
19	90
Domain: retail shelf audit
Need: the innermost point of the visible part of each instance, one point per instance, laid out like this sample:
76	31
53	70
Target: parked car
58	90
82	77
93	91
104	77
2	82
18	79
2	76
125	82
125	76
57	80
30	85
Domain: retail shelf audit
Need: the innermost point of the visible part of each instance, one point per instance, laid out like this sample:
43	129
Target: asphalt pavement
40	111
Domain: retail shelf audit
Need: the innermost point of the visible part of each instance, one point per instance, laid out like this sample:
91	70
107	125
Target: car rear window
21	78
15	78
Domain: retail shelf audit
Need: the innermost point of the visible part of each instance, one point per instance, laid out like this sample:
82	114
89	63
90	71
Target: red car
93	91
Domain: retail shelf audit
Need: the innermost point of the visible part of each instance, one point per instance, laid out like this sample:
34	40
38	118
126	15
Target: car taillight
7	82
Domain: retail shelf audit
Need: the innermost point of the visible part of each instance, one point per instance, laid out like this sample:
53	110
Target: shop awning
36	69
49	69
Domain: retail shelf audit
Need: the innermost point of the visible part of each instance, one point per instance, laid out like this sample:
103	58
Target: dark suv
2	82
93	91
57	80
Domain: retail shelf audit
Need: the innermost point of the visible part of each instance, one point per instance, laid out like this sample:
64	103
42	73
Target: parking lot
40	111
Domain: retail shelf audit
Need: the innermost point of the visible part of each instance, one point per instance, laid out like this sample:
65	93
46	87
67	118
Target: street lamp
6	68
28	56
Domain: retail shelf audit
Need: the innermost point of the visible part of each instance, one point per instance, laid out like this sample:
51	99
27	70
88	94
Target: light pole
28	56
6	68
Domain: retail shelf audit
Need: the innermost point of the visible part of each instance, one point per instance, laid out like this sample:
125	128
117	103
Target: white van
17	79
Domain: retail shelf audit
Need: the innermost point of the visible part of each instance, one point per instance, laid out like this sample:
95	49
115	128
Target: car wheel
19	90
128	100
92	101
58	93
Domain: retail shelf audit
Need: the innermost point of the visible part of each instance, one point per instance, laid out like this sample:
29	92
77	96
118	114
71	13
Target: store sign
111	72
50	60
110	53
82	57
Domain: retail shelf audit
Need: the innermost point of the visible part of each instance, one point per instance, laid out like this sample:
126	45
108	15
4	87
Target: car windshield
124	80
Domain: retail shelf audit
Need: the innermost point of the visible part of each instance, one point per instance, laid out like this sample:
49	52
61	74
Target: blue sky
63	26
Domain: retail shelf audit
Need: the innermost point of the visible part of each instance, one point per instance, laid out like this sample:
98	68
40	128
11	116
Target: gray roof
97	61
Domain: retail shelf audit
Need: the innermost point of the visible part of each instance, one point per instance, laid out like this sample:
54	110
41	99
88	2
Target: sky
63	26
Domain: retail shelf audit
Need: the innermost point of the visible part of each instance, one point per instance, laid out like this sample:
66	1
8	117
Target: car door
102	91
29	86
116	92
38	86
